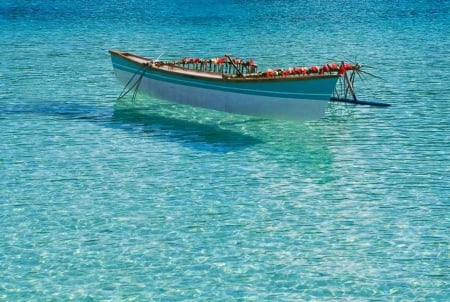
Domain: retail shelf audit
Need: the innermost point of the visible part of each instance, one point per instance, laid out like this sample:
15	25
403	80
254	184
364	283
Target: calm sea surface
148	201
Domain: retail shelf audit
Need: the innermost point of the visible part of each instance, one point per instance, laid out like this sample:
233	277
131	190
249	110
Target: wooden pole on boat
234	65
358	102
349	87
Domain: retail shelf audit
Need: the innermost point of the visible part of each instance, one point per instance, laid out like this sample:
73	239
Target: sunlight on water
146	200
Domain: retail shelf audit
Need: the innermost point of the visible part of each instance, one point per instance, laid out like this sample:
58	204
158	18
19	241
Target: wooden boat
232	85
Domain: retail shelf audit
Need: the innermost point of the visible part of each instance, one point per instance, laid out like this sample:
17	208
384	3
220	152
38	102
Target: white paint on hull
247	104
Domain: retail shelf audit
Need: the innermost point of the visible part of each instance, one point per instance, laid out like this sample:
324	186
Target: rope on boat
135	85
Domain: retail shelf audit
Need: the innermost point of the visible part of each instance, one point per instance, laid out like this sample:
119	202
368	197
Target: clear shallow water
105	200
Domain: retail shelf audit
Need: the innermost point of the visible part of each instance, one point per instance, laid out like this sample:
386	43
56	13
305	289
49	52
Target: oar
358	102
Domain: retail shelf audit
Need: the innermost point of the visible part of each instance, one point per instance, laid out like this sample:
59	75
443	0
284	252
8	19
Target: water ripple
145	200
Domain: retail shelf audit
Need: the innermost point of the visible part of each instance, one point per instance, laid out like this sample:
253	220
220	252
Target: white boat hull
247	104
300	98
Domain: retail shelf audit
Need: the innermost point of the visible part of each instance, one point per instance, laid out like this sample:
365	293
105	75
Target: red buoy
334	67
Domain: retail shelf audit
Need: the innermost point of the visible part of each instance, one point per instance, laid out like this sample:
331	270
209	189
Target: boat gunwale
210	76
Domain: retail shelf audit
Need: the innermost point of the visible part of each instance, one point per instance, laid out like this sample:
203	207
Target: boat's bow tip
114	51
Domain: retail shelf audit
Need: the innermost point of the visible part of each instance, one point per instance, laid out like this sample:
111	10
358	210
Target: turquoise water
148	201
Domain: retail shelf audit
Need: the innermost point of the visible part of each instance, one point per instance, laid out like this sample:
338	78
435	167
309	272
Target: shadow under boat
197	135
300	147
194	134
293	145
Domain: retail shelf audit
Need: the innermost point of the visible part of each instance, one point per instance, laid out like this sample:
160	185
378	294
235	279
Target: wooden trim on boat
213	76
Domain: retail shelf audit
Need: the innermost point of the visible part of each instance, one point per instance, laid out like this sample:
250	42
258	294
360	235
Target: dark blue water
144	200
